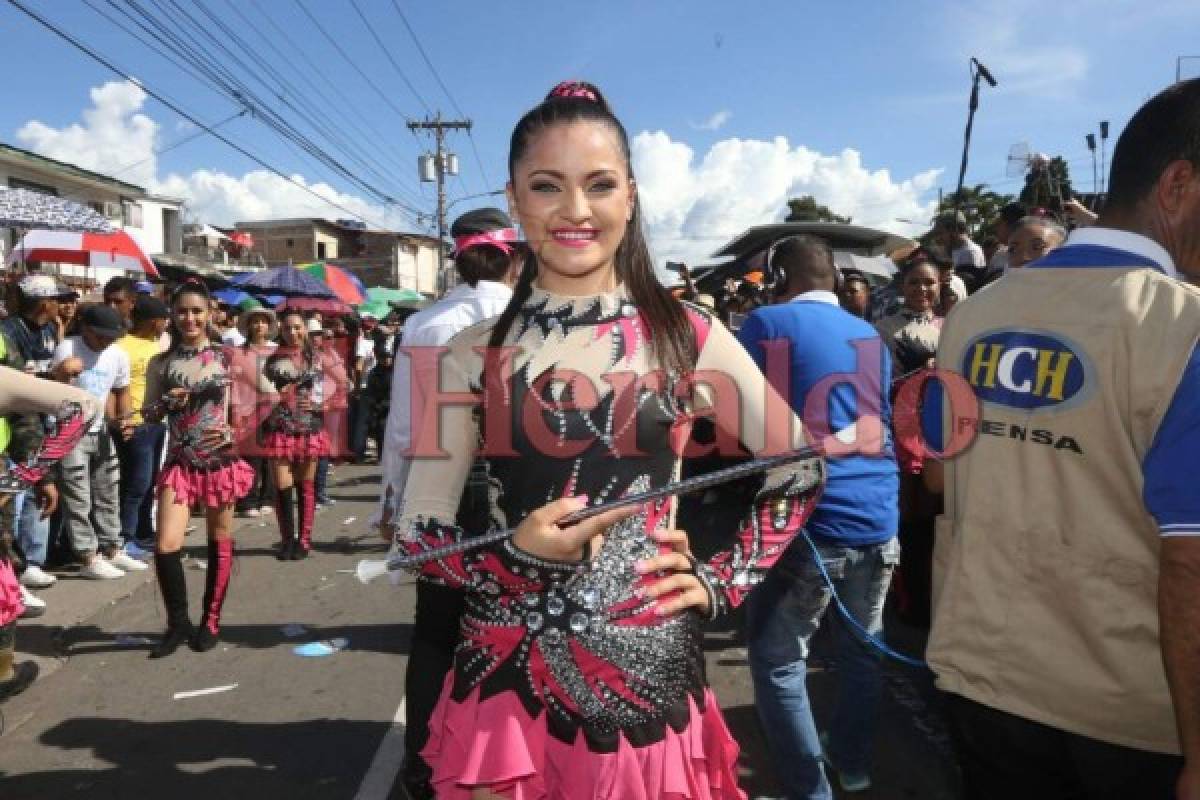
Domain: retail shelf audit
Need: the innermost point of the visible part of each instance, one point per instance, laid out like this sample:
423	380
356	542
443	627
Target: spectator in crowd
90	495
29	341
318	335
1066	627
65	325
855	293
950	232
259	327
226	325
119	294
853	528
139	453
1032	238
1005	224
362	361
991	248
379	395
911	335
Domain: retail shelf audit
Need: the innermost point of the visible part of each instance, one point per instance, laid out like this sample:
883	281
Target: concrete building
378	258
154	221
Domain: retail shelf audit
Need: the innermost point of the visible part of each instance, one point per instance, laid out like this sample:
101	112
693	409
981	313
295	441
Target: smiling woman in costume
189	386
580	671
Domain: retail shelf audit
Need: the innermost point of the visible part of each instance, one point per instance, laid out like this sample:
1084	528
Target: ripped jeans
782	615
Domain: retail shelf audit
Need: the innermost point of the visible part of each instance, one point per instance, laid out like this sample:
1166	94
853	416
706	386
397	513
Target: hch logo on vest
1027	371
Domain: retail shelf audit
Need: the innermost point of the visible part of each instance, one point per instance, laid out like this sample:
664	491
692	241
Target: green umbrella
381	299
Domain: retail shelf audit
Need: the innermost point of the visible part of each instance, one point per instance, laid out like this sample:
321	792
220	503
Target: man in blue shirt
837	380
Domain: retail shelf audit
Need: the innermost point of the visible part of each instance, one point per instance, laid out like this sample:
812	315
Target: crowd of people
1012	435
170	366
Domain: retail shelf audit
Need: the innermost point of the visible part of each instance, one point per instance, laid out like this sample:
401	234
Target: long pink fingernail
582	499
639	566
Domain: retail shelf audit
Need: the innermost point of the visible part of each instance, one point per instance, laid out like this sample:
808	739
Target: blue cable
863	634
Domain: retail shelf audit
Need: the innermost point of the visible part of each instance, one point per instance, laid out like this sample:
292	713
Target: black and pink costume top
565	679
290	432
197	468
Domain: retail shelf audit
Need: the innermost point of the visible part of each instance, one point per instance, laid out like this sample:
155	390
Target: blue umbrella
231	297
287	281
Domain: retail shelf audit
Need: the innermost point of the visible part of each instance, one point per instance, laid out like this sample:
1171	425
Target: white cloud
115	134
692	205
715	122
692	208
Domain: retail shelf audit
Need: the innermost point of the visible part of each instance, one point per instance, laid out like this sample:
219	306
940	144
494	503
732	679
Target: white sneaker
100	570
34	605
124	561
34	577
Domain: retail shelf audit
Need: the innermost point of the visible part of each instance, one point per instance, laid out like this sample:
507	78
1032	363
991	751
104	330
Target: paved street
103	722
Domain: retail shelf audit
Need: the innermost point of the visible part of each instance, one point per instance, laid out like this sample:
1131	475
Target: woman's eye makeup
543	186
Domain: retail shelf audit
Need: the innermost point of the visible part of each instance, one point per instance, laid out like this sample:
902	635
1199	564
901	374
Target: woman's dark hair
193	287
669	329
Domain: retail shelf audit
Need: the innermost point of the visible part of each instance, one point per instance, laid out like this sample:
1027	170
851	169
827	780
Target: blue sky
886	80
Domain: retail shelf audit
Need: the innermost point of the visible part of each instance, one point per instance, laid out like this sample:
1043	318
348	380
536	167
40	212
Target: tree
806	209
980	206
1048	185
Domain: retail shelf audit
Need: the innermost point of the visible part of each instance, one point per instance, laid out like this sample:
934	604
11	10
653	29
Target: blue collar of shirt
1107	248
817	296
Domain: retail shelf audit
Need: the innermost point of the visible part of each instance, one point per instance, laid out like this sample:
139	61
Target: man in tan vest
1067	569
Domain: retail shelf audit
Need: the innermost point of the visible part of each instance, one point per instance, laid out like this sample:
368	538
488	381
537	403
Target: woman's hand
176	399
540	536
680	589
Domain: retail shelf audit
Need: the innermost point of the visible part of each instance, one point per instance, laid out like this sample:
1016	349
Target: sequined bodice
204	373
584	411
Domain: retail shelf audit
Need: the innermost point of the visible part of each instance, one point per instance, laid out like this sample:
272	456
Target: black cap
480	220
103	321
146	308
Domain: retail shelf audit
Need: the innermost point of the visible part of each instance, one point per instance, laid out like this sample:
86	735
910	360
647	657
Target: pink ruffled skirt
296	447
495	744
212	489
11	606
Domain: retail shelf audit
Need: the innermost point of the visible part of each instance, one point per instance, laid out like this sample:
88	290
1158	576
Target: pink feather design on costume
631	331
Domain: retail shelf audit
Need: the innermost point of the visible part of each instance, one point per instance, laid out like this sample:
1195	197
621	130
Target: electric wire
176	108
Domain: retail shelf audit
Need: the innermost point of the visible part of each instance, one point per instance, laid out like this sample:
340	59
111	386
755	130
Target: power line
179	143
366	78
77	44
351	118
388	53
437	77
179	38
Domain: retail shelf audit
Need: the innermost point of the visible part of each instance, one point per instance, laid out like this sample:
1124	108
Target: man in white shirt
90	495
950	231
488	262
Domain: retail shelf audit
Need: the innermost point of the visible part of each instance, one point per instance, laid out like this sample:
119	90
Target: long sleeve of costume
745	408
70	412
444	451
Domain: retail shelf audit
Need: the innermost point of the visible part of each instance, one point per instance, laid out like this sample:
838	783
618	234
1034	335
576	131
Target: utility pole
435	168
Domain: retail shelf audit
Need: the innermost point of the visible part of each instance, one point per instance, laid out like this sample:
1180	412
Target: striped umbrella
344	283
118	250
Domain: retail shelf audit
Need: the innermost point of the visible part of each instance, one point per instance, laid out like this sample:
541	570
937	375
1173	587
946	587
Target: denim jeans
90	496
33	532
139	458
782	615
321	483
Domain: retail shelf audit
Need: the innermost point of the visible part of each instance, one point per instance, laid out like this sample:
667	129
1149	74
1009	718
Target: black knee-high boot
171	581
285	511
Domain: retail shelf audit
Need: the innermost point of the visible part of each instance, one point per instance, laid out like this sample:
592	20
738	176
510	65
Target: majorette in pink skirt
495	744
296	447
211	488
